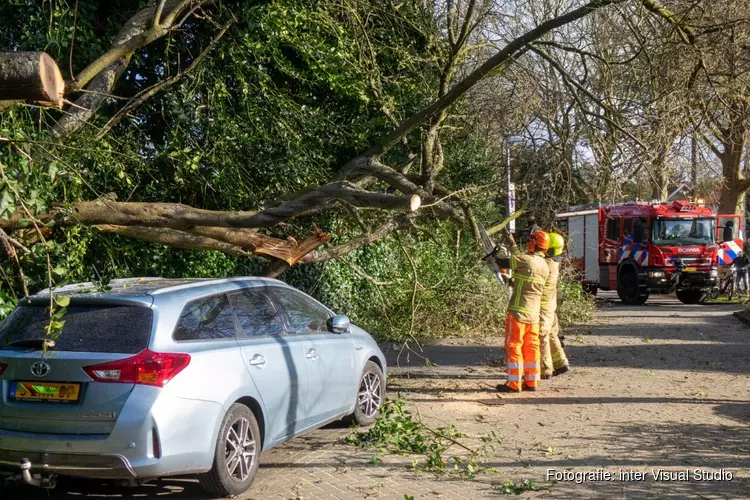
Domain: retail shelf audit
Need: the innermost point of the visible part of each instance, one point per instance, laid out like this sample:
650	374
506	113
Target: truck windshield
683	231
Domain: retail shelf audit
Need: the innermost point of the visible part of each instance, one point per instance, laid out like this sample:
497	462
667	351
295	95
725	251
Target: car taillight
145	368
3	366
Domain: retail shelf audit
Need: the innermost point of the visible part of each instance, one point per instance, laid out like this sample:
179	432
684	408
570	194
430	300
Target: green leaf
62	300
60	271
52	171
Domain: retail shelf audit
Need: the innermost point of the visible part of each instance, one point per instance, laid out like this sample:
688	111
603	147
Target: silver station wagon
159	377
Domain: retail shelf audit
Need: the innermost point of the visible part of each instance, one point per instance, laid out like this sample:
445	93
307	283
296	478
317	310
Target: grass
722	299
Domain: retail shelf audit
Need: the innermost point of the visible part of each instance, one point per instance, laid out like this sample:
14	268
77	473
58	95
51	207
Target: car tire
236	455
370	396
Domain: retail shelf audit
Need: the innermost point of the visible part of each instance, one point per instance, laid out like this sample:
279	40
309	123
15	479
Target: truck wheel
691	296
627	288
642	298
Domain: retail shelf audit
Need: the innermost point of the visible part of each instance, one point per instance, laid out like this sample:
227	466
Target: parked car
159	377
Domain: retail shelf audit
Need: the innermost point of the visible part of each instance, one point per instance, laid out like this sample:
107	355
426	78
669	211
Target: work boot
546	376
560	371
506	388
528	388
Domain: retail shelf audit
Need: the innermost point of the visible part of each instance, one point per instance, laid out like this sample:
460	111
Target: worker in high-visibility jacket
554	361
530	273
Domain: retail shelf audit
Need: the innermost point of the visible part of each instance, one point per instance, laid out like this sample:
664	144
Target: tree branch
157	14
179	216
173	238
100	76
497	62
364	240
146	94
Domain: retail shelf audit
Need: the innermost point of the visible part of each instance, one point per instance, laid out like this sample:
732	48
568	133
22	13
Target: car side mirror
339	324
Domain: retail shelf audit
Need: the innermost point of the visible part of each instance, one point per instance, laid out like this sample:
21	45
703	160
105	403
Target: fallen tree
366	181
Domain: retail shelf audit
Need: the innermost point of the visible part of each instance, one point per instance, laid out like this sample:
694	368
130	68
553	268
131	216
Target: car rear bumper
186	431
89	466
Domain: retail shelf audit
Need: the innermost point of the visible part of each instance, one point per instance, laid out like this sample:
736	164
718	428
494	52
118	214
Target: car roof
142	288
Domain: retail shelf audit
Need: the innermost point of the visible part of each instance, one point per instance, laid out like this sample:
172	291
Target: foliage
292	91
577	305
7	304
511	488
396	431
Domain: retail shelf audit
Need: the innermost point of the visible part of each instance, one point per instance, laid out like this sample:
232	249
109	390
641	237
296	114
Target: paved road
662	386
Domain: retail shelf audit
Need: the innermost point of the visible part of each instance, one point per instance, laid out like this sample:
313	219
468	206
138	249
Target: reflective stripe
514	378
513	365
530	365
531	376
530	279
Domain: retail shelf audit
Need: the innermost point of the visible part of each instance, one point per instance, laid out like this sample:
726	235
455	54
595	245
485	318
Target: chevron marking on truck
728	251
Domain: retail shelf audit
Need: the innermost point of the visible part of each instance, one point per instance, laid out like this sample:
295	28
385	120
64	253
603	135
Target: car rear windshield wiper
31	343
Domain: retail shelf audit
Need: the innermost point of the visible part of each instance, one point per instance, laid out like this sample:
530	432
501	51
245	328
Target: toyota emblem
40	369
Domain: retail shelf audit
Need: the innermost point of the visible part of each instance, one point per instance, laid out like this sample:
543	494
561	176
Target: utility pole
510	198
694	164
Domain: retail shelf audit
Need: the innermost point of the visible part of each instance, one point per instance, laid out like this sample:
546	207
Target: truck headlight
656	274
714	272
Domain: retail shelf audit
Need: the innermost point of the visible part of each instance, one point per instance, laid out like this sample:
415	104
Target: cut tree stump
30	76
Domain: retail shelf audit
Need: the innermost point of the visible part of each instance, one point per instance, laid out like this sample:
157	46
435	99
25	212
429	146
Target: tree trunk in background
660	177
735	184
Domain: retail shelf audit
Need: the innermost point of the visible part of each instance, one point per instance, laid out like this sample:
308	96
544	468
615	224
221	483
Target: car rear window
91	328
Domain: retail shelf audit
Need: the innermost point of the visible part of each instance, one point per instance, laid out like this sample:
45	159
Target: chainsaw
490	250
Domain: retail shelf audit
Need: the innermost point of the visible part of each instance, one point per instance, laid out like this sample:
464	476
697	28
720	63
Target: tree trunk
30	76
732	198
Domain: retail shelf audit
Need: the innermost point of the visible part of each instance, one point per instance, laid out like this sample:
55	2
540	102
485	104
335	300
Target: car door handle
312	354
258	361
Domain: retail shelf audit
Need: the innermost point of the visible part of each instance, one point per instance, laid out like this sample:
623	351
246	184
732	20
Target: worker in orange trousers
530	272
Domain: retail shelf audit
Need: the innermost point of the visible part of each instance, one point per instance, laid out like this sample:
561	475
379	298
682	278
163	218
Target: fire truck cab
643	248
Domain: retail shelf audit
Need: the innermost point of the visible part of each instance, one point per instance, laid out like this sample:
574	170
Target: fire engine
644	248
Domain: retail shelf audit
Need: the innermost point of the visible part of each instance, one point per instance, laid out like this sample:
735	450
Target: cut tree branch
30	76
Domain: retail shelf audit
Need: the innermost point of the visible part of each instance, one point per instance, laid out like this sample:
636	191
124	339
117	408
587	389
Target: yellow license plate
45	391
691	269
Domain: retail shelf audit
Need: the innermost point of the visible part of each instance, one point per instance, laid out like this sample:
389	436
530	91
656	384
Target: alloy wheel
240	450
370	396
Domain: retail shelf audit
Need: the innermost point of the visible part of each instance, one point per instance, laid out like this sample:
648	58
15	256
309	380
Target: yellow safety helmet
556	244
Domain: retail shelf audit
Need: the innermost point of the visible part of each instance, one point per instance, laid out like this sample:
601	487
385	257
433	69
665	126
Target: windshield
683	231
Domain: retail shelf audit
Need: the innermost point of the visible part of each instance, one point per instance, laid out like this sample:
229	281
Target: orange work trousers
522	354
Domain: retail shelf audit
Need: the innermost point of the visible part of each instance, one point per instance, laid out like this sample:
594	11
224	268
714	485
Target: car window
86	328
208	318
256	314
304	315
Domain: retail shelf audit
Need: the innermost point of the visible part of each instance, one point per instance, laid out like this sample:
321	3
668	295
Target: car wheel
236	455
370	395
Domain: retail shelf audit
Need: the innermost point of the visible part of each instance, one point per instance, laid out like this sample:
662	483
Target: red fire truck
643	248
